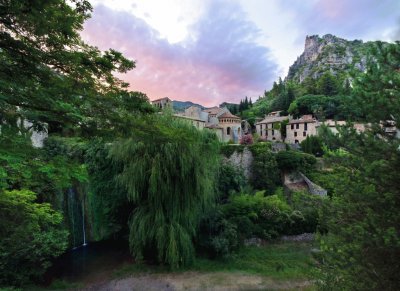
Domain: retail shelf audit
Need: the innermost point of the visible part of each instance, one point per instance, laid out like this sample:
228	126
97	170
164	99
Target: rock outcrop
328	53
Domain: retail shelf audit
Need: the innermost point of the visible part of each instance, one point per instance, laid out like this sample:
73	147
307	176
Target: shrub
228	149
312	145
30	236
230	179
217	236
246	139
256	215
295	161
265	171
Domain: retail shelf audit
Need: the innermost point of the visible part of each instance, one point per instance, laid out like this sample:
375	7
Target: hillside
328	53
319	82
182	105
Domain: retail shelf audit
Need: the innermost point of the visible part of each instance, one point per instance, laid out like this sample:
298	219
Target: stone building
231	125
269	127
162	103
220	120
297	130
198	123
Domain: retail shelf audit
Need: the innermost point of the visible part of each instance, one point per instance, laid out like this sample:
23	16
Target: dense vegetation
169	189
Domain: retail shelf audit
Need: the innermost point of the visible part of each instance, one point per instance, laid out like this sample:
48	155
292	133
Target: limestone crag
328	53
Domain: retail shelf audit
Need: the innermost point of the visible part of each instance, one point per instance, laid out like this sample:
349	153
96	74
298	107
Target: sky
214	51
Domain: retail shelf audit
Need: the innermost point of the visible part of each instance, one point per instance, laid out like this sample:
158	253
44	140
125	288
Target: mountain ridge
328	53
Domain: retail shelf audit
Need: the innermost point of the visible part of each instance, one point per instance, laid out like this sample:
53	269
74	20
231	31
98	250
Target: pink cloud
223	63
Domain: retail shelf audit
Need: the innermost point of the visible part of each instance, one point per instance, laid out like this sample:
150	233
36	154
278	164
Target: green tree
327	85
265	171
169	171
30	236
49	75
312	145
361	250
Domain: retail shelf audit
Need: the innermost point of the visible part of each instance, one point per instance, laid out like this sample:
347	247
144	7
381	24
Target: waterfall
83	223
71	198
76	218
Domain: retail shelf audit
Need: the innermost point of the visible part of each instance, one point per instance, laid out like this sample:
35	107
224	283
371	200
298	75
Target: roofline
161	99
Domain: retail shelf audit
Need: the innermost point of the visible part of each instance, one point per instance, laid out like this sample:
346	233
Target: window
305	126
304	133
292	126
296	141
261	129
297	126
273	132
228	131
266	132
295	133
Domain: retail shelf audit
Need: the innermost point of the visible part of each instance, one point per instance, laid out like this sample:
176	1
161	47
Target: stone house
269	127
162	103
297	130
198	123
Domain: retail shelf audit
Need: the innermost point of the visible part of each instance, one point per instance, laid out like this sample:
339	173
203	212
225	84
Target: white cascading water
83	223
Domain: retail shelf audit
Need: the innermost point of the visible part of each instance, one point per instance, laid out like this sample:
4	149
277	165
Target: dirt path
198	281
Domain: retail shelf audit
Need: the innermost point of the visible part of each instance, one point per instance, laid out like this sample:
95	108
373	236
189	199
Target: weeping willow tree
169	170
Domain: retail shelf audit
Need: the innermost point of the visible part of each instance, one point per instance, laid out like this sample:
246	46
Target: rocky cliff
328	53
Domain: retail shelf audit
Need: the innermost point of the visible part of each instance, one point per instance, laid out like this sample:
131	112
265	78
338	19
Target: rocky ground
198	281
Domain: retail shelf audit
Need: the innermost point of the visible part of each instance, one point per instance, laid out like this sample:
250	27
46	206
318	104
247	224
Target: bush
256	215
230	179
217	236
228	149
312	145
246	139
30	236
265	171
295	161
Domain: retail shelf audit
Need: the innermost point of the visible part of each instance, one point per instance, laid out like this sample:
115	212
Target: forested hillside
320	81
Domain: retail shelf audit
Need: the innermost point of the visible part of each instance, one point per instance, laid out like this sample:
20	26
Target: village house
269	127
297	130
198	123
162	103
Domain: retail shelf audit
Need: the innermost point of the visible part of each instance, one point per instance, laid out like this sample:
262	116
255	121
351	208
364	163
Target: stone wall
297	181
242	159
314	188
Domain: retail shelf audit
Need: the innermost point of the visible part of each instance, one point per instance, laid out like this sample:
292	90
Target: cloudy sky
210	51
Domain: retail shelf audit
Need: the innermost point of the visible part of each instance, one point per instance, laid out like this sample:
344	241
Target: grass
277	261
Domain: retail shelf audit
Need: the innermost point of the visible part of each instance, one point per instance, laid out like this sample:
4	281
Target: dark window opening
297	126
228	131
304	133
292	126
305	126
295	133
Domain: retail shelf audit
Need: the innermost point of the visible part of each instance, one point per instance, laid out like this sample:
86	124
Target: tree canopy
169	172
50	76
